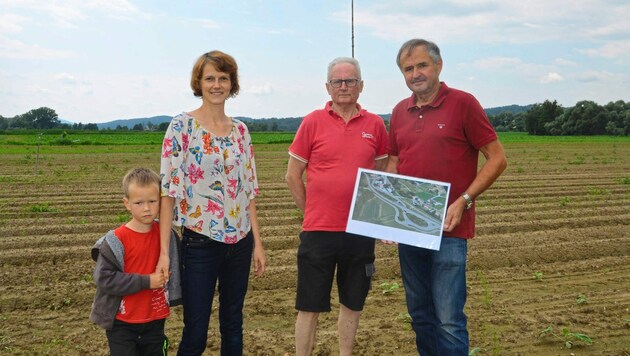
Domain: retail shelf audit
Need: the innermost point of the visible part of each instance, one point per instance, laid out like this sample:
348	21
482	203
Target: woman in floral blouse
208	187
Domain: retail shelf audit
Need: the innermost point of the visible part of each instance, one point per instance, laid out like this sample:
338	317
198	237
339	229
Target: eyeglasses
337	83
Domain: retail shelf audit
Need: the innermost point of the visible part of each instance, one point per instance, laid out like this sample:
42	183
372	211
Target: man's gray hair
340	60
409	46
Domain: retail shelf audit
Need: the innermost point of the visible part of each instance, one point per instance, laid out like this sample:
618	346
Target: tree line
547	118
41	119
584	119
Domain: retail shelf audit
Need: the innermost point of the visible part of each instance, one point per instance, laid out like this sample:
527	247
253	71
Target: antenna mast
352	12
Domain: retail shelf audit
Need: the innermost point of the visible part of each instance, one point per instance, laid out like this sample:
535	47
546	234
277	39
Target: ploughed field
552	250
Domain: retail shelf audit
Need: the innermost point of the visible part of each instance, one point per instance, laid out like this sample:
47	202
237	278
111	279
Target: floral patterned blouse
212	178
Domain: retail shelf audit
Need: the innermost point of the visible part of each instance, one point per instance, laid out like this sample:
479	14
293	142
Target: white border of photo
384	232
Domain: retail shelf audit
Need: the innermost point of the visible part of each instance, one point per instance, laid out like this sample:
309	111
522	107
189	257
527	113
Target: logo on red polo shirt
367	135
441	126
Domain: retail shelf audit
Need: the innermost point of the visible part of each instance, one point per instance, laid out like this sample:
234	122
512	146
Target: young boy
131	301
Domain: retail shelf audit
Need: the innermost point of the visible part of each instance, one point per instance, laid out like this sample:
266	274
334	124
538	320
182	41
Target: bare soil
552	249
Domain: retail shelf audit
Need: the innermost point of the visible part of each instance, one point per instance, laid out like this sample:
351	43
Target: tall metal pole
39	142
352	11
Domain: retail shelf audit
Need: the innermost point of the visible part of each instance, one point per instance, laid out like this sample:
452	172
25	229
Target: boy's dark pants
127	339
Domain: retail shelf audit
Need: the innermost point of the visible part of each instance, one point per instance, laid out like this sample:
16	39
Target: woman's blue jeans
435	288
203	263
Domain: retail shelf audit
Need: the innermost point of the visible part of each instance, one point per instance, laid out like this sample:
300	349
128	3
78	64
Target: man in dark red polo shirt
330	145
437	134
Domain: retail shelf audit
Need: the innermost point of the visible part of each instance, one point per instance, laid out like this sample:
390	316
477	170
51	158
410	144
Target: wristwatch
468	200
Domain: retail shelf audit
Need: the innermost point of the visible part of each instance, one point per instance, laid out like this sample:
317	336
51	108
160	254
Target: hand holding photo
398	208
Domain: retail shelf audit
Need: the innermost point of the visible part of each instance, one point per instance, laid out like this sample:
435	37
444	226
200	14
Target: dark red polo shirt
441	141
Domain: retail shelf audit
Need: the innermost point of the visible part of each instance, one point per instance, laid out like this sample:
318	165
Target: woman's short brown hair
222	62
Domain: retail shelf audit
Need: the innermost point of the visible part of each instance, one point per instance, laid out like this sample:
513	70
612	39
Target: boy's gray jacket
111	286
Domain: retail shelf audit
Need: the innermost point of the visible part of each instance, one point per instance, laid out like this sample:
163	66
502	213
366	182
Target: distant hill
514	109
130	123
280	123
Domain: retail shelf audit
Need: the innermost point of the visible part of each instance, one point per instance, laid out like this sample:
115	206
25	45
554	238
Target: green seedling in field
581	299
625	180
578	160
389	287
538	276
87	278
568	337
63	303
564	201
297	213
485	286
42	208
598	191
474	351
406	319
123	217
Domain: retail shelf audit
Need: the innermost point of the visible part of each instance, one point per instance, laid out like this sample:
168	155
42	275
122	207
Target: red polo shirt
441	141
334	151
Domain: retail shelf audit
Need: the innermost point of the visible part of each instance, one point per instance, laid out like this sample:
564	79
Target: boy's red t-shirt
142	251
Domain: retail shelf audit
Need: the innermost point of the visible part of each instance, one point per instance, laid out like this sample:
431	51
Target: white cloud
65	78
595	76
495	20
12	23
613	49
284	31
14	49
551	77
66	13
498	63
265	89
565	62
208	24
518	69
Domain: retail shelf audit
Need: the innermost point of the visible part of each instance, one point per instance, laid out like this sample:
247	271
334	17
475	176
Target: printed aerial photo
402	203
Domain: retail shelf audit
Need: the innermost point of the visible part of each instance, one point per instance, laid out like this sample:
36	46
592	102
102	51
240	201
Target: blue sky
101	60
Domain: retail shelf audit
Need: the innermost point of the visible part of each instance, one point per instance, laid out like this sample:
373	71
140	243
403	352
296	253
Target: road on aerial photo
378	202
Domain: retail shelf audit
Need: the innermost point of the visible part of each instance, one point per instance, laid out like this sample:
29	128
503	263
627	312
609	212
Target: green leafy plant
581	299
123	217
569	338
578	160
538	276
42	208
485	286
564	201
63	303
598	191
87	278
625	180
474	351
405	318
389	287
298	214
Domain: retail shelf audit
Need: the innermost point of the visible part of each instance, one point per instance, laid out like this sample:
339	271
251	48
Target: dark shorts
127	339
319	254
